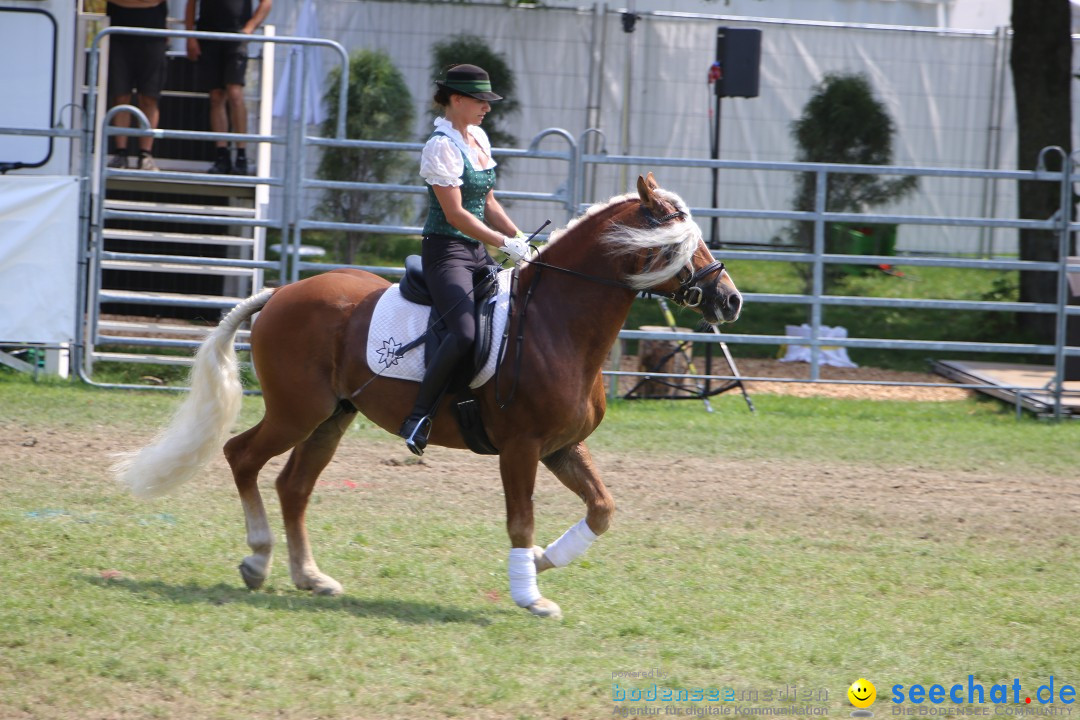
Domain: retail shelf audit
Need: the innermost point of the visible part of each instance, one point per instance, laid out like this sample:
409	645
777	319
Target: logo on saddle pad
396	318
389	353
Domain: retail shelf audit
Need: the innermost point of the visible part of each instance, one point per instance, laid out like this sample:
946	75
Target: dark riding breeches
448	269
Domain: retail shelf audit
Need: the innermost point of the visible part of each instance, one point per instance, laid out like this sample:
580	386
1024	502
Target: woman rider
463	217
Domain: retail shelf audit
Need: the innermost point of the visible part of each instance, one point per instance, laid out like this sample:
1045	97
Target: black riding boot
417	426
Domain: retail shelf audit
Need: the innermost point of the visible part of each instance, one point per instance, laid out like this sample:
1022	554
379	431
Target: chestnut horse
308	348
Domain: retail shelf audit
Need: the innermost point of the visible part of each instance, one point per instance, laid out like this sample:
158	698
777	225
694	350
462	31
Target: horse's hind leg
247	453
574	467
294	486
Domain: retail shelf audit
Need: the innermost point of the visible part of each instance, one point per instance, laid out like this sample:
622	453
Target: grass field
812	544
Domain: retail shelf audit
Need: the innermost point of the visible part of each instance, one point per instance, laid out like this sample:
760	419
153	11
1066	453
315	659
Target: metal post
578	168
714	222
821	178
1064	218
97	245
288	191
597	50
993	141
299	171
629	20
84	242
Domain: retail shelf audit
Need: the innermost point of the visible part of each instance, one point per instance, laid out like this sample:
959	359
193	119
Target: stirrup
416	437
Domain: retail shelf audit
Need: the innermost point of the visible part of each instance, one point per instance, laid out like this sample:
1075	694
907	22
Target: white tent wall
938	86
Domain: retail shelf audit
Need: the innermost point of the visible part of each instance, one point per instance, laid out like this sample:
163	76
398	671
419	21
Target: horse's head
674	259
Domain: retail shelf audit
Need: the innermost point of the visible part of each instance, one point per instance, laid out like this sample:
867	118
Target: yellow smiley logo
862	693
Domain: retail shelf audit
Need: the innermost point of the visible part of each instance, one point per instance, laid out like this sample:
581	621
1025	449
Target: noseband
690	293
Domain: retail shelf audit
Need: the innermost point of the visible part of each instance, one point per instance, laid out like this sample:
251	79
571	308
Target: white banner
39	218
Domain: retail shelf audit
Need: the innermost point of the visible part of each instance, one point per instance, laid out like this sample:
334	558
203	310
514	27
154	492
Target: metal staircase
162	284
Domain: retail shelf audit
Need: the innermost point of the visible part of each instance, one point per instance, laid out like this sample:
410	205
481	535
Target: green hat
469	80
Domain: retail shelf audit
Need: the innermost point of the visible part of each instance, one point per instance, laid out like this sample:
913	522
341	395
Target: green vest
475	185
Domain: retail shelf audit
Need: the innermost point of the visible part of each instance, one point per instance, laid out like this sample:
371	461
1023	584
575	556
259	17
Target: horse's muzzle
724	306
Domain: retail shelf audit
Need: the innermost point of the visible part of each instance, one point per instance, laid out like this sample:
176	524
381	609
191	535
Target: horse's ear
651	182
645	189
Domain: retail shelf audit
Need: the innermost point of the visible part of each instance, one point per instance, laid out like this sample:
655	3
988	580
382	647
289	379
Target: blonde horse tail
201	423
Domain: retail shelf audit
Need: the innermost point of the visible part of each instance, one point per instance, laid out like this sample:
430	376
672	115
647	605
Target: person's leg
235	75
149	106
219	120
210	80
219	123
150	81
119	88
121	120
238	117
448	268
237	110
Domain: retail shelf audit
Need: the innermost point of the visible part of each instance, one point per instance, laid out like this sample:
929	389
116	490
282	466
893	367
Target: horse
308	349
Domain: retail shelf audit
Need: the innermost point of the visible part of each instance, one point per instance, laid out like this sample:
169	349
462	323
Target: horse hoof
325	586
546	609
252	576
540	560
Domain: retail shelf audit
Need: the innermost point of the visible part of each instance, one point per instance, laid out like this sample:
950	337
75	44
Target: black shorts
221	63
136	63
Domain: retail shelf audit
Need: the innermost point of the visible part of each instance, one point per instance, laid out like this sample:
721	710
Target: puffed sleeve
441	162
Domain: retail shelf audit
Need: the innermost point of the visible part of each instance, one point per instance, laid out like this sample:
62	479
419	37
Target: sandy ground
911	494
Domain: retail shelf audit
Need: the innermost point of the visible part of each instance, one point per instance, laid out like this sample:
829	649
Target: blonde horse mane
678	239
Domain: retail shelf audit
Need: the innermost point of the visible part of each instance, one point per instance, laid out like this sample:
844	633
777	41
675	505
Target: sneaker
146	162
222	166
118	161
240	167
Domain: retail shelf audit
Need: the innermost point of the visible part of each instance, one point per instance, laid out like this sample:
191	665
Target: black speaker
738	50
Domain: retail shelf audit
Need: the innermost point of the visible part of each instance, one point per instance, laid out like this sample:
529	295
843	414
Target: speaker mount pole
714	222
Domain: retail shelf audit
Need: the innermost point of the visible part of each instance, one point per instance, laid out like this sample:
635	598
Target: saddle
413	287
491	296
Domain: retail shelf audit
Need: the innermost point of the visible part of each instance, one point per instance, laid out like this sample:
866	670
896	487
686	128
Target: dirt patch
913	498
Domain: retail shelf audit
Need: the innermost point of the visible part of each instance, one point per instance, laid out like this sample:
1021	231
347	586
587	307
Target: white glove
515	248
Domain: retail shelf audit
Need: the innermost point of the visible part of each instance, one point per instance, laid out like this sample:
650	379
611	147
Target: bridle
688	295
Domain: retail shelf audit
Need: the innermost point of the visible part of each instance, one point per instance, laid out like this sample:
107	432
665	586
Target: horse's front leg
574	467
517	466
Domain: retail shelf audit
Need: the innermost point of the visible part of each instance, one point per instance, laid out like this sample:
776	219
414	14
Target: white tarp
830	354
39	217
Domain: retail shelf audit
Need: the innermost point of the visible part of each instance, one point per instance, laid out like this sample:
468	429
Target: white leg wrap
573	543
522	570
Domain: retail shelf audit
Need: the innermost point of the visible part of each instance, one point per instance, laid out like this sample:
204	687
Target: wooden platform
1028	386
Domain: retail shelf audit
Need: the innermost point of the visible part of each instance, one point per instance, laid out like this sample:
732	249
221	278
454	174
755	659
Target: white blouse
441	162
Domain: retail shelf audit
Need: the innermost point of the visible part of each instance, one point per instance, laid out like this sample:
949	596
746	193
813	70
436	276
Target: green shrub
380	107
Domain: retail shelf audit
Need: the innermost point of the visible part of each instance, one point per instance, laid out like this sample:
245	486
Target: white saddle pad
397	322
